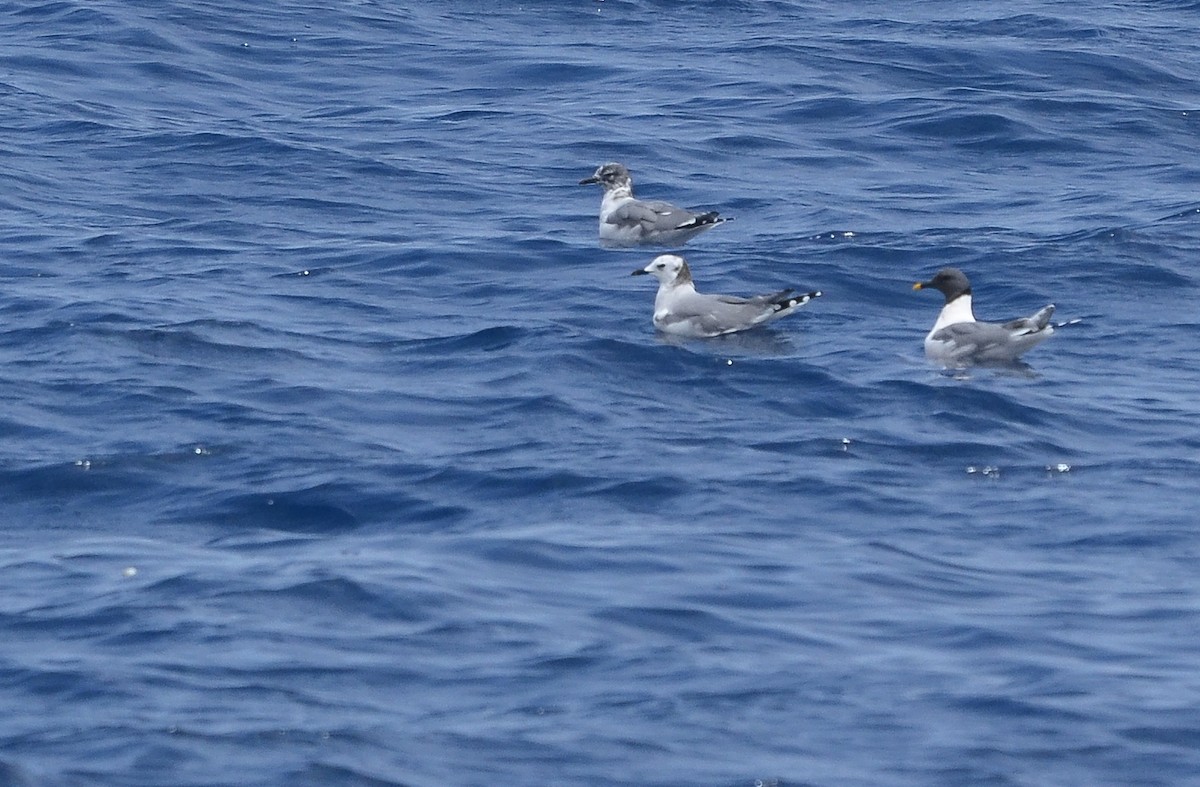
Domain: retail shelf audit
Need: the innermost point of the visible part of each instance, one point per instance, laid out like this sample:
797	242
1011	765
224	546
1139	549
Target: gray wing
997	342
653	217
763	300
712	315
973	337
1033	323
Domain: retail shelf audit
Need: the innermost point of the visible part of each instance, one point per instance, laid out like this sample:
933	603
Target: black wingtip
796	300
710	218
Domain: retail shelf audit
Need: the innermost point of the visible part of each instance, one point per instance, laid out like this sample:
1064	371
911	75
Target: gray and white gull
681	311
958	339
626	221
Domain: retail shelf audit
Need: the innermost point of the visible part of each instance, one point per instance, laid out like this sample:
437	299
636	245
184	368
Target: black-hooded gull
958	339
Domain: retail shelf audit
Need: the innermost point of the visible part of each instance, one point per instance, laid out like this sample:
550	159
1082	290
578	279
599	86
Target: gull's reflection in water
763	342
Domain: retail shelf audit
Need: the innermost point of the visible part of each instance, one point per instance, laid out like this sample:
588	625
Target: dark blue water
336	451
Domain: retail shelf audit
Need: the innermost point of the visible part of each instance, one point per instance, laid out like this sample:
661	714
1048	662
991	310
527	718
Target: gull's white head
670	270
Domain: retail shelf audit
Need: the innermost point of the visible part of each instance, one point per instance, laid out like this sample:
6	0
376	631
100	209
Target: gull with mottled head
626	222
958	339
680	310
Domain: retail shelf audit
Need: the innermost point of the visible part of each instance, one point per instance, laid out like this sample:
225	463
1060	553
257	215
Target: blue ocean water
336	451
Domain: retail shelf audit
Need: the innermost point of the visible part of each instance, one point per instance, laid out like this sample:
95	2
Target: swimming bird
958	339
680	310
626	222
